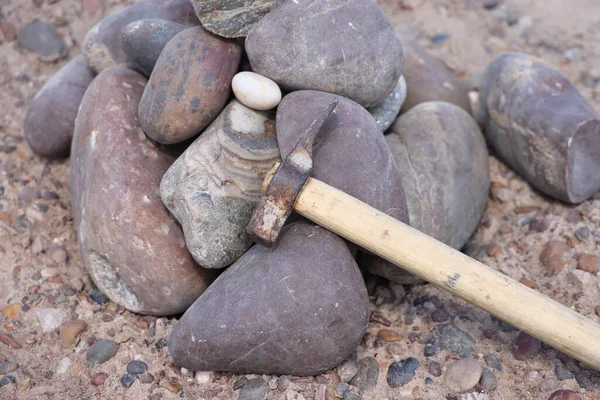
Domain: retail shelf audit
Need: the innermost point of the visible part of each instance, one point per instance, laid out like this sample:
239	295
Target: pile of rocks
159	215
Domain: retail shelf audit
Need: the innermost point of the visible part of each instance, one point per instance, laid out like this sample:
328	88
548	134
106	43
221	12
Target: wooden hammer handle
452	271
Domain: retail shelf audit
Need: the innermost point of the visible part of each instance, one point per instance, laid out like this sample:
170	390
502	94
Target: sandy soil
29	223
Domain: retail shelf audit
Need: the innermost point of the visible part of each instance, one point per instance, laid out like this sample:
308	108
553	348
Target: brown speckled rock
144	40
344	47
189	86
299	308
428	79
349	154
132	248
539	124
50	119
231	18
213	187
102	45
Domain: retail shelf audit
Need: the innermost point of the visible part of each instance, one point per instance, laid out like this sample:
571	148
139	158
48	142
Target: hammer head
280	194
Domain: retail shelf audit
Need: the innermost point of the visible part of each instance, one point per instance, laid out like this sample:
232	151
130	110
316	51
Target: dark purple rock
50	119
299	308
526	347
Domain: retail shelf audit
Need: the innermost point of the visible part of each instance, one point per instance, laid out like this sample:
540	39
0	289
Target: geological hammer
289	187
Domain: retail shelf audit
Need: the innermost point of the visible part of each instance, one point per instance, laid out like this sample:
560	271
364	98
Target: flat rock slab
231	19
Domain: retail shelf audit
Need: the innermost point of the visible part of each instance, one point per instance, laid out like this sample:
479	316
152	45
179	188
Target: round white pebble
256	91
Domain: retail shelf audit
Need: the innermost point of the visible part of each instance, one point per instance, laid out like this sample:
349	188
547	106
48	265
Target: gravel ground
42	277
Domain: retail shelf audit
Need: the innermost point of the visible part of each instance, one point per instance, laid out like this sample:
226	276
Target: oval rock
144	40
350	153
50	119
189	86
344	47
133	249
214	186
299	308
102	44
539	124
428	79
256	91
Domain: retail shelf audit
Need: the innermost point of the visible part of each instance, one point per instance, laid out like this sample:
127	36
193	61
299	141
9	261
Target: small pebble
493	362
6	367
137	367
428	381
101	351
584	382
463	375
203	377
524	221
588	263
548	385
12	312
448	337
562	372
572	54
41	38
98	297
435	369
341	389
582	234
389	335
526	347
256	91
439	38
402	372
489	4
146	378
564	395
127	380
352	396
172	385
49	273
574	217
440	315
51	318
99	379
348	369
7	379
552	256
254	389
488	380
367	375
539	225
160	343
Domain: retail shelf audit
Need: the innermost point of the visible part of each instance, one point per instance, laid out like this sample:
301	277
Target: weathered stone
526	347
254	389
102	45
70	331
428	79
542	127
402	372
136	367
386	112
50	119
231	18
488	380
51	318
101	351
462	375
349	154
308	283
131	246
367	375
305	44
42	38
552	256
256	91
143	41
189	86
443	163
213	187
448	337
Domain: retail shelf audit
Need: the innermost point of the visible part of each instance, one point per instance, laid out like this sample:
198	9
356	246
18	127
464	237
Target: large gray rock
347	47
50	119
229	18
144	40
539	124
102	44
214	186
299	308
132	248
189	86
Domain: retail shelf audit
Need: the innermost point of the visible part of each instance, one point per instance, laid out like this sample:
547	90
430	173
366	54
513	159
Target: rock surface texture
232	18
189	86
386	112
443	163
213	187
428	79
131	246
542	127
144	40
102	45
299	308
347	47
50	119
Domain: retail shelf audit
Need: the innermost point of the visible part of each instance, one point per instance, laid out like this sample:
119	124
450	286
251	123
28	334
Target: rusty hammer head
280	194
